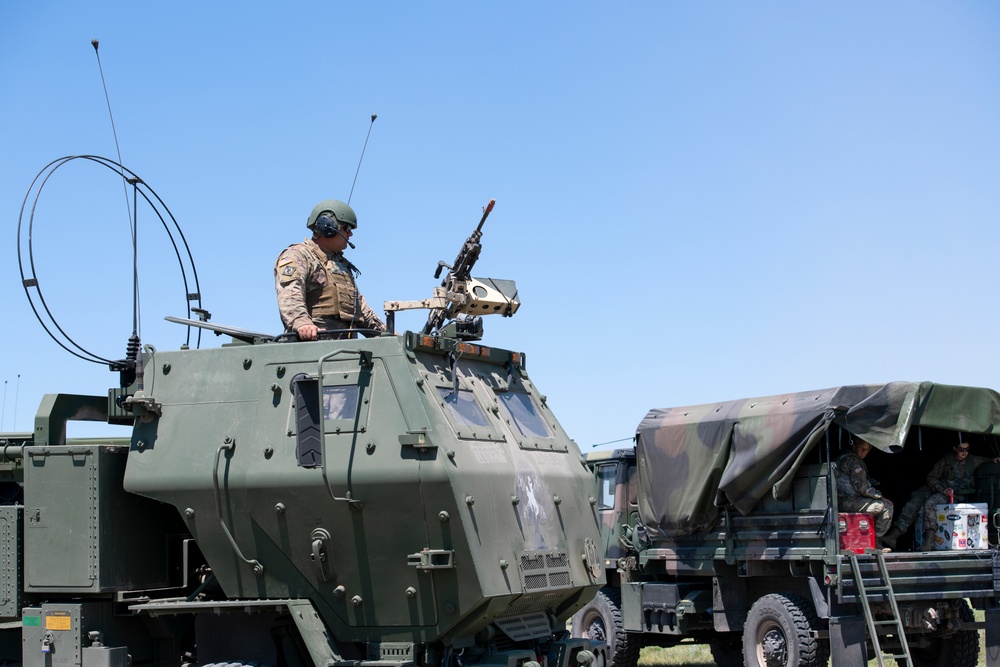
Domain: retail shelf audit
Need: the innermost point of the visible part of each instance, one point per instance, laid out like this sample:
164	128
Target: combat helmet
341	213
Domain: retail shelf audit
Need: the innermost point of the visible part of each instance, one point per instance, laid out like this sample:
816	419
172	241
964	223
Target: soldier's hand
307	332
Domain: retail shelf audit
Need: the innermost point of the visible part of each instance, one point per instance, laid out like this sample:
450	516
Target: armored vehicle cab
395	500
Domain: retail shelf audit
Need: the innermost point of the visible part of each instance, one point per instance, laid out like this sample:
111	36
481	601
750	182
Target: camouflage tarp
694	460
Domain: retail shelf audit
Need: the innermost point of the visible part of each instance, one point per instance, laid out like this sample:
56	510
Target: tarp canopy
693	460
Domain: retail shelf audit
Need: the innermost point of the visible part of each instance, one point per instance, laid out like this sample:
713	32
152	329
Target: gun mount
461	298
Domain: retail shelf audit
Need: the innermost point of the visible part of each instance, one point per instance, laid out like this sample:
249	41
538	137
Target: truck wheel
780	632
959	650
601	621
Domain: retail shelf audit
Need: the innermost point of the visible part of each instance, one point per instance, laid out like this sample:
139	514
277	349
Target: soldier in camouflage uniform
855	492
952	476
315	283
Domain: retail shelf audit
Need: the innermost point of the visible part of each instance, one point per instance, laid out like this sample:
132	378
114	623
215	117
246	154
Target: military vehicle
722	527
395	500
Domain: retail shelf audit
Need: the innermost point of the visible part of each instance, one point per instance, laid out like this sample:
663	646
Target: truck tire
959	650
781	632
601	621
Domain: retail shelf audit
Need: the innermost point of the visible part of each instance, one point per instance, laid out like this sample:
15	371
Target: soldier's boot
890	538
928	543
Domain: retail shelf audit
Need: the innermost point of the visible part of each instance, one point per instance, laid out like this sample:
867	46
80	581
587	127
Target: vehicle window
340	402
522	411
606	478
462	407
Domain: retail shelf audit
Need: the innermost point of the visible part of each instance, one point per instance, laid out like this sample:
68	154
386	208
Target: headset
330	227
327	226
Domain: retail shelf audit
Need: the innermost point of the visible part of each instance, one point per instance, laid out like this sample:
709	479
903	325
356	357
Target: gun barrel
486	214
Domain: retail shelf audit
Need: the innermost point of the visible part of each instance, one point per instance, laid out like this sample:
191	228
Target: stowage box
82	532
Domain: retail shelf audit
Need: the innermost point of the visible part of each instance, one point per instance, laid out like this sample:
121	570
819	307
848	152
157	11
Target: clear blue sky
699	201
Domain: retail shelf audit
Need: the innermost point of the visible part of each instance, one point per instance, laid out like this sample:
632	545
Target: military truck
722	527
380	502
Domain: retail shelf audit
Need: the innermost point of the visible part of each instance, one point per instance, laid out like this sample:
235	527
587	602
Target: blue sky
699	201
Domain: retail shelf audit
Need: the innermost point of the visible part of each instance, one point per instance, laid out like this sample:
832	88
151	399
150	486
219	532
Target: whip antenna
133	360
374	116
114	132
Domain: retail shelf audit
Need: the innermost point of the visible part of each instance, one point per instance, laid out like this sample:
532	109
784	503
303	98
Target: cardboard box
962	526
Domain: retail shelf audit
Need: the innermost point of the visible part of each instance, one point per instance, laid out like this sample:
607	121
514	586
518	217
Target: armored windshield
462	407
524	414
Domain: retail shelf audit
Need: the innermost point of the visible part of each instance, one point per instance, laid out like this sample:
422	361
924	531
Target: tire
727	651
959	650
601	621
780	632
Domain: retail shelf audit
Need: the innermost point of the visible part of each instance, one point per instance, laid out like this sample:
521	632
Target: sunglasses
961	449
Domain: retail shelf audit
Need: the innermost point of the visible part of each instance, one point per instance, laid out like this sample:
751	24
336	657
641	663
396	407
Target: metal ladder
868	594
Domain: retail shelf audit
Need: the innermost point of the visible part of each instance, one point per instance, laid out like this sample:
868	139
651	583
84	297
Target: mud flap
993	637
847	641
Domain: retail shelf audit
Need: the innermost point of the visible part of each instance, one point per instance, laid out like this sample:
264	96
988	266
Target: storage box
962	526
857	532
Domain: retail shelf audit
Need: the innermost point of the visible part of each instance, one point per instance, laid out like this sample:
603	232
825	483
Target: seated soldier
855	491
951	480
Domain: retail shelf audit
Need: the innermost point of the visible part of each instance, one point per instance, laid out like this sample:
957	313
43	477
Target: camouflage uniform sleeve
369	319
861	483
936	478
290	273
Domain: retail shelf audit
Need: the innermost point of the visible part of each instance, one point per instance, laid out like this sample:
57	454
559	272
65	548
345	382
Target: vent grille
528	563
543	570
525	626
390	651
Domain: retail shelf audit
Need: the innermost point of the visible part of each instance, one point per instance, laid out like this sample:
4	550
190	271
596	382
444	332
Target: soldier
316	283
950	480
855	492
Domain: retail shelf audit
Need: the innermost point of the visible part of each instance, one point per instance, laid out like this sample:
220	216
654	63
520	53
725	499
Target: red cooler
857	532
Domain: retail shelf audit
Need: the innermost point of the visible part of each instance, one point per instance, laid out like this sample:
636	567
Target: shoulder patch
288	270
284	259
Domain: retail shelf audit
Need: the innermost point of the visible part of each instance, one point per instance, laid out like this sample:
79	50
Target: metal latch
416	439
432	559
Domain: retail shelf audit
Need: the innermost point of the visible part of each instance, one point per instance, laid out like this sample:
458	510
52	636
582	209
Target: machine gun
461	297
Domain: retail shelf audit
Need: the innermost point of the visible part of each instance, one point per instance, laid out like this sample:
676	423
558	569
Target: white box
962	526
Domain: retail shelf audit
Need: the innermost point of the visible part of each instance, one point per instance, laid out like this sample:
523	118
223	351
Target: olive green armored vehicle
723	526
404	499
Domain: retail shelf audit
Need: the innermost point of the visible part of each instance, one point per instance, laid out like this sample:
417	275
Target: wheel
780	632
959	650
601	621
727	651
